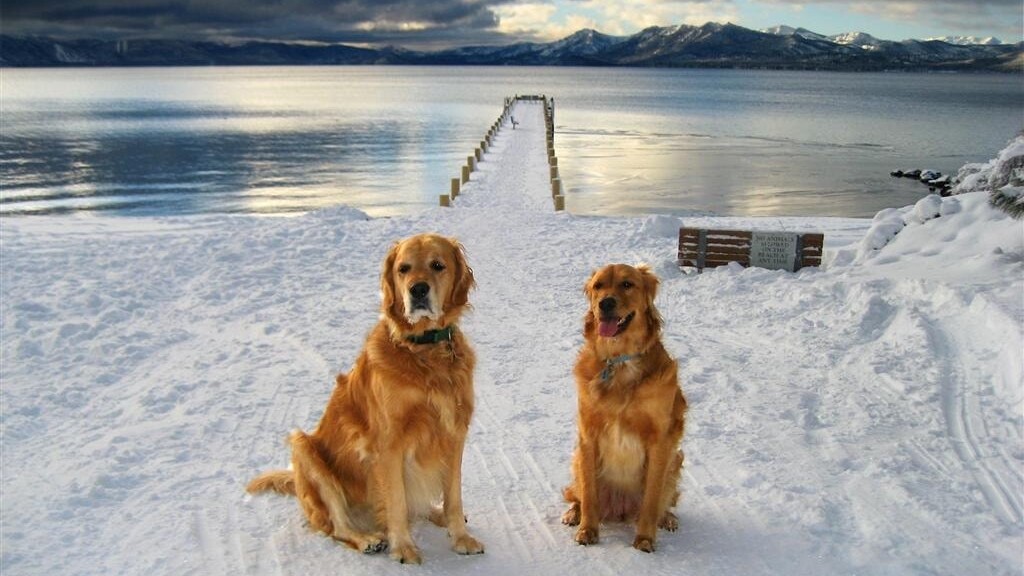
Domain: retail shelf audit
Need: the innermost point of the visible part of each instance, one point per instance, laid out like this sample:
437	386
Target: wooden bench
703	248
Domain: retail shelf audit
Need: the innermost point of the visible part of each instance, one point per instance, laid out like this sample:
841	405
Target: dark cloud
408	22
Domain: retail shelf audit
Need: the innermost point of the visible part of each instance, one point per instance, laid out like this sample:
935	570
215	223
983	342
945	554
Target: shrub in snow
926	208
1009	199
1002	177
880	234
949	206
888	214
884	227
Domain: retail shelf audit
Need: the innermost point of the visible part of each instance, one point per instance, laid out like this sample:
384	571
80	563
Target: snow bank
862	418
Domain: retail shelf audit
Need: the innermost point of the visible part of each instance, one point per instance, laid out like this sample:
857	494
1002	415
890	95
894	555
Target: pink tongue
608	328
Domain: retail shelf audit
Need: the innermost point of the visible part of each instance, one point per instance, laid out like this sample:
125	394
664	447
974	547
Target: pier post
446	201
556	187
559	203
465	174
455	187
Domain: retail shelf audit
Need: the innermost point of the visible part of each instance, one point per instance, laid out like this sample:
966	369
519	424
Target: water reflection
388	139
174	161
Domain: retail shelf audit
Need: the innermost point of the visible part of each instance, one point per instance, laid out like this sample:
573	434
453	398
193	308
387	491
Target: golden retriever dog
389	446
631	412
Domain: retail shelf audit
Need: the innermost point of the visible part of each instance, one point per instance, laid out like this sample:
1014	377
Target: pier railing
472	162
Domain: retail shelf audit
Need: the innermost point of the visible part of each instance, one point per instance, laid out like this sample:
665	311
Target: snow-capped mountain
869	42
783	30
586	41
858	39
968	40
710	45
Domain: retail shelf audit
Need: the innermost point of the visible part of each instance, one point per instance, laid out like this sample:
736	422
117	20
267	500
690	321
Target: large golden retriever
389	446
631	412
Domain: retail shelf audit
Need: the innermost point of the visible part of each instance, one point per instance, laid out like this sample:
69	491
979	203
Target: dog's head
622	304
425	282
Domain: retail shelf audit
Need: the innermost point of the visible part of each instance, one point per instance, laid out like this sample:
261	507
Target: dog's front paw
644	543
586	536
467	545
406	554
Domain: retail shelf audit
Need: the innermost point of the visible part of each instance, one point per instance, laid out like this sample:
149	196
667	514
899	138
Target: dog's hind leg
323	499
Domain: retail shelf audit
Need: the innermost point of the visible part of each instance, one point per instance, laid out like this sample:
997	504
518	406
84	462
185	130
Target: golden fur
389	446
631	412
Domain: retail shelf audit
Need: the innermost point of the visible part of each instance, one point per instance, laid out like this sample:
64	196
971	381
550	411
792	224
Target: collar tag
611	363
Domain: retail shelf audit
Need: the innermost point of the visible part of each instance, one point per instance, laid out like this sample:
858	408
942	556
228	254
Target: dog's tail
280	481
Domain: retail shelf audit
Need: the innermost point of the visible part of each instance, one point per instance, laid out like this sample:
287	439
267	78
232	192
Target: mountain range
711	45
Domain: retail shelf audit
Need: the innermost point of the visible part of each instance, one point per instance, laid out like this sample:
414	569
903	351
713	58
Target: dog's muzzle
610	325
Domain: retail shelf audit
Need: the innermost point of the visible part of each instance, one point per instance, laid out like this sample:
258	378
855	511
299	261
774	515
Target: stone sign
774	250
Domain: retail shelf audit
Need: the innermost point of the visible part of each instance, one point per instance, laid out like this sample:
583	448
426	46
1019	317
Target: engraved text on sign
774	250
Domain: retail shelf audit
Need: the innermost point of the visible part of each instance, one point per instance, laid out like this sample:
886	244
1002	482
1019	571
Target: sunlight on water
388	139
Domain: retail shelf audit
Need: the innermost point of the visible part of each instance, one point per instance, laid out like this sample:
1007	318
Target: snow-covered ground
862	418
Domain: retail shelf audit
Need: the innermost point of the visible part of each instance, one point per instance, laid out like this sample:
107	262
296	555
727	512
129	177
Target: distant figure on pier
514	123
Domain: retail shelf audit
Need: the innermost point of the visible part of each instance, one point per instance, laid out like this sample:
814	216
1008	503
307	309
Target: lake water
387	140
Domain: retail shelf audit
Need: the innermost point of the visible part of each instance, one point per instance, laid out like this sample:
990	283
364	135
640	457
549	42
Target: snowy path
857	419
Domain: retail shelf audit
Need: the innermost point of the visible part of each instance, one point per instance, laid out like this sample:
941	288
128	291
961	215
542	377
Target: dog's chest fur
622	456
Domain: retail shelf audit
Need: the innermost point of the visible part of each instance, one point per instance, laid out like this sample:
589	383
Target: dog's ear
464	280
589	324
389	302
650	287
588	286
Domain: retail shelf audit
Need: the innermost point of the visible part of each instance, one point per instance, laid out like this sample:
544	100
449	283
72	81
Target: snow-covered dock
860	418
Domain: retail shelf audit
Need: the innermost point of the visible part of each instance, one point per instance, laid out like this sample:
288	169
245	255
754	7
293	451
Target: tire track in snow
213	548
961	411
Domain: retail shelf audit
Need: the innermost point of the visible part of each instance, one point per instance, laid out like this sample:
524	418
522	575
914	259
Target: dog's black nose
607	304
419	290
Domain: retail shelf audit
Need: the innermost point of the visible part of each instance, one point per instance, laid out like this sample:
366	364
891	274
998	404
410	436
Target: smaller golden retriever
389	445
631	412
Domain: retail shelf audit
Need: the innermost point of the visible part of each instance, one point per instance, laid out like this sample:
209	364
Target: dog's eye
437	266
598	285
626	284
404	268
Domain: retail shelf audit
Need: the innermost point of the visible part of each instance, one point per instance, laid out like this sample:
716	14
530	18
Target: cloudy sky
423	24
